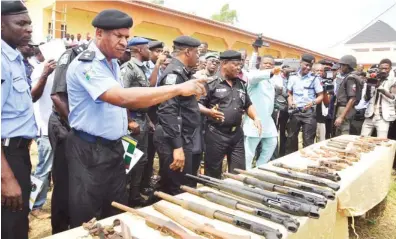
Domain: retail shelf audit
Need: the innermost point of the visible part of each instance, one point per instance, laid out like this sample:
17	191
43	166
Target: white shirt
43	106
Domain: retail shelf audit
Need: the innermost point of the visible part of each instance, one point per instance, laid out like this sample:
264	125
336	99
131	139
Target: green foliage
226	15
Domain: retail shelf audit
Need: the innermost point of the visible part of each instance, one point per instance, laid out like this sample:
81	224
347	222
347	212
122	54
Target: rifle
315	200
319	172
166	227
305	178
289	183
284	204
290	223
197	227
246	224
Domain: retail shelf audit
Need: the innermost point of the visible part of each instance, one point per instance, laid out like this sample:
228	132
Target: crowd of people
190	106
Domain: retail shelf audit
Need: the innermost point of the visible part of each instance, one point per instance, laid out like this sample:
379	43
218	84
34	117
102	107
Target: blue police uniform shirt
86	81
304	88
17	115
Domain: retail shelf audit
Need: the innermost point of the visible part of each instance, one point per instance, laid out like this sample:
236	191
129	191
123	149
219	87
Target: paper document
37	185
132	154
53	49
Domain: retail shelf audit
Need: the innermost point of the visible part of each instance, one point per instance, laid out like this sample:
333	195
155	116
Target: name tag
221	90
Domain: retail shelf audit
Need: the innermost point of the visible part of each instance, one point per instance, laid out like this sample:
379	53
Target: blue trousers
267	150
44	166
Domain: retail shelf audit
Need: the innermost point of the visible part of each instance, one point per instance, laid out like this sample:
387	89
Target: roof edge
219	24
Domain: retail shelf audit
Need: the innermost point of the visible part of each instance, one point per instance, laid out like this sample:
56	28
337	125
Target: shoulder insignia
293	74
88	72
2	80
87	56
64	59
170	79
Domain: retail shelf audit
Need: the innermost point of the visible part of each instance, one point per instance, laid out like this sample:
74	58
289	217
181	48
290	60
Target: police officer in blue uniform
178	119
98	118
305	92
18	125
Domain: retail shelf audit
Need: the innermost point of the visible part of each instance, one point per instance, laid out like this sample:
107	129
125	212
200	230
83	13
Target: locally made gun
240	222
289	183
311	171
167	227
315	200
303	177
290	223
284	204
197	227
96	230
348	153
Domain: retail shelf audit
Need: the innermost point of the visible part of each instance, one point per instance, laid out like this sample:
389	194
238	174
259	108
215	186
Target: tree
158	2
226	15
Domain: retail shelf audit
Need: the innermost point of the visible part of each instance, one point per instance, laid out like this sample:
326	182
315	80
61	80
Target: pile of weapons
97	231
259	195
337	155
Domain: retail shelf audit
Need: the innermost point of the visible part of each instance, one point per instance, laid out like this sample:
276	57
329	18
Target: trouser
306	121
136	173
378	123
148	168
219	144
282	122
44	167
96	178
57	134
15	225
329	128
321	132
268	146
356	127
345	127
172	180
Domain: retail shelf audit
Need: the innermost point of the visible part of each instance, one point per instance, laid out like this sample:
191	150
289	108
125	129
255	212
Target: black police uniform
178	120
225	138
58	129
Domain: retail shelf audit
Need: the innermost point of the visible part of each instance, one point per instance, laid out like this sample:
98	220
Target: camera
327	80
259	42
372	77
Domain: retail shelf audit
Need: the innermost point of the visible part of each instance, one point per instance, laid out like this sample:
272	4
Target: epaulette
293	74
78	49
178	70
87	56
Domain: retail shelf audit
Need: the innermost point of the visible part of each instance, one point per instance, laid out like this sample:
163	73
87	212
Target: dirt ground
378	223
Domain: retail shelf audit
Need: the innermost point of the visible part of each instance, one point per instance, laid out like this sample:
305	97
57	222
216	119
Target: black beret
325	62
230	55
186	41
12	7
111	19
308	58
156	44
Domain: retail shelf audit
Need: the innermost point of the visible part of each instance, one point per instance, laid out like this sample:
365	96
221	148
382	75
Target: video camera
327	80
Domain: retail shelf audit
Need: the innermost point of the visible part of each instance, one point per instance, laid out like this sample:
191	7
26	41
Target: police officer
347	90
305	92
18	125
133	74
178	119
212	63
58	128
94	150
225	104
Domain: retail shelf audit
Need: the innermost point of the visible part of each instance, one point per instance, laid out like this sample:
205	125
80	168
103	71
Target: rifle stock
290	223
254	227
166	227
205	230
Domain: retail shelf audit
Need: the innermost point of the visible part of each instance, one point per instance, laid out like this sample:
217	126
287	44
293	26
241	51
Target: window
63	30
382	49
362	50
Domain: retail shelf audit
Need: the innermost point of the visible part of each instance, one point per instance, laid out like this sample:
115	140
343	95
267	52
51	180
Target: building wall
153	23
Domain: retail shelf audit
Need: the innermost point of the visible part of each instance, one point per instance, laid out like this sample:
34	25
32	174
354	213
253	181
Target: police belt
137	114
224	129
92	138
64	123
16	142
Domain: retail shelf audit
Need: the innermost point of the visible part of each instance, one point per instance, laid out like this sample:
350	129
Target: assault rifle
303	177
260	229
290	223
168	227
285	204
315	200
197	227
